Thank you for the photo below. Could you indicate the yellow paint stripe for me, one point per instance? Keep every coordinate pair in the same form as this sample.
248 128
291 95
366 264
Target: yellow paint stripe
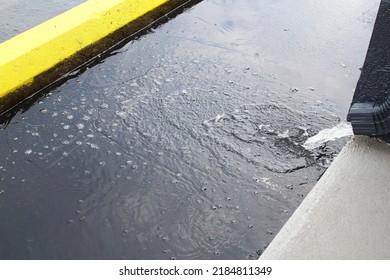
41 48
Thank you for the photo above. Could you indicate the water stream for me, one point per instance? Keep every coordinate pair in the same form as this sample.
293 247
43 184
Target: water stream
341 130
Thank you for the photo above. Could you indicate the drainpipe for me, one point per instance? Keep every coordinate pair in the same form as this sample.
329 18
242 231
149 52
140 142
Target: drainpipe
369 113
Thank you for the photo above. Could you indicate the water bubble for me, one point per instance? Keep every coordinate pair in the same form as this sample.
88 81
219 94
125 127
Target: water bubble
104 106
93 146
14 151
82 218
80 126
290 187
165 251
70 117
79 143
250 226
66 127
270 232
122 115
28 151
217 253
43 111
102 163
214 207
70 221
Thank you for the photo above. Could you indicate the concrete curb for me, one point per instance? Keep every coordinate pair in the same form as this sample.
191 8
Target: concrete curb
346 215
39 56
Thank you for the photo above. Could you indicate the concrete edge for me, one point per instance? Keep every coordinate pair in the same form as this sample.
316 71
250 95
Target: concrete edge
299 218
41 55
345 216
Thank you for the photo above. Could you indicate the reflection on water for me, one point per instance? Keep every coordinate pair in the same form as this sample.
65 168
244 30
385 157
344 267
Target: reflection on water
187 144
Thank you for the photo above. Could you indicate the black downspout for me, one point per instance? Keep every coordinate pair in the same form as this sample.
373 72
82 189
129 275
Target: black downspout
369 113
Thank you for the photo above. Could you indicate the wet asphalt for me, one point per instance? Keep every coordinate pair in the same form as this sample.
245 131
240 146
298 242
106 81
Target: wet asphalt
187 141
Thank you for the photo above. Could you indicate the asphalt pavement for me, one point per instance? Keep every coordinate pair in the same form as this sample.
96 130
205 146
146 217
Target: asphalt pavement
186 142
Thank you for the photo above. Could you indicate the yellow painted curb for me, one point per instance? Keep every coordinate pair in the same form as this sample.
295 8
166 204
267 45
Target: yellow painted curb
44 47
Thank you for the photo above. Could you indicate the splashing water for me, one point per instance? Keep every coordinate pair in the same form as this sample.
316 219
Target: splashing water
330 134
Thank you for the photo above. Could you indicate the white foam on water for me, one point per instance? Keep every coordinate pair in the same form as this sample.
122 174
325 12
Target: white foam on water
330 134
284 134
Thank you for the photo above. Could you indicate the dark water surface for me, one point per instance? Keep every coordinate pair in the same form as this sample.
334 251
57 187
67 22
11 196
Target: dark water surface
187 143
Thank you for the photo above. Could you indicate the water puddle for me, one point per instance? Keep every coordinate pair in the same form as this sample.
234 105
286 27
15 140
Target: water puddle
197 141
